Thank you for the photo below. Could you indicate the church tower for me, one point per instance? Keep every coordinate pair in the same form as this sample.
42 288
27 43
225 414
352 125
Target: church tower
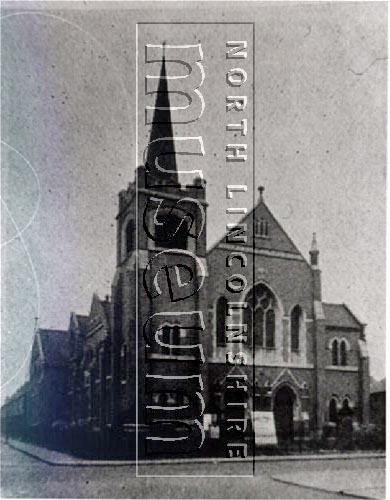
159 288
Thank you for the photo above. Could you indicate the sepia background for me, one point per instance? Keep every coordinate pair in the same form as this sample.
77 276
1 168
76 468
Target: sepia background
68 147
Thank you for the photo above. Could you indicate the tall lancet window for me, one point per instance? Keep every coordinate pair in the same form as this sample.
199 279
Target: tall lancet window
130 237
260 317
335 352
220 316
262 228
343 353
295 322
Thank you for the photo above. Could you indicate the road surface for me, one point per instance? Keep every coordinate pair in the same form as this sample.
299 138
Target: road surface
25 476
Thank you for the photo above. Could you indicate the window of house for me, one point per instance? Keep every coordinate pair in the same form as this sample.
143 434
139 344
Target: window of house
101 363
343 353
176 335
335 353
333 414
262 228
107 360
170 234
108 407
171 398
261 311
346 408
130 237
166 338
259 327
221 321
270 328
170 335
123 362
296 319
87 379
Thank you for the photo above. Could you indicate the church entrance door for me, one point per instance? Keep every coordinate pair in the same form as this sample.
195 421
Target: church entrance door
284 414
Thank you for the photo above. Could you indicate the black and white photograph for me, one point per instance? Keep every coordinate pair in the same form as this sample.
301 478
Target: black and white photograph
193 265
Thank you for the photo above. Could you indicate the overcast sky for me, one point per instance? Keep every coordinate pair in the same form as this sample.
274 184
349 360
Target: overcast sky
68 124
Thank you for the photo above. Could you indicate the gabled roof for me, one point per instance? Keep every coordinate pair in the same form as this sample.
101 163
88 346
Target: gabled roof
23 389
377 385
100 311
55 346
278 240
78 328
107 310
339 315
82 322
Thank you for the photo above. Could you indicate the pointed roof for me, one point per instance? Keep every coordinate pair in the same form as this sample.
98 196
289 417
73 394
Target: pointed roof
277 238
162 129
54 346
340 316
277 242
377 385
99 311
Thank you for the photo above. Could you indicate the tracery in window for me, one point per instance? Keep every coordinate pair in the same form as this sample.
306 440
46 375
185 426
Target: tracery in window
261 310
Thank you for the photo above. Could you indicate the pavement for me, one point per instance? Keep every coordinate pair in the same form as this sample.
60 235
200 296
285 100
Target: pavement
53 457
34 472
359 483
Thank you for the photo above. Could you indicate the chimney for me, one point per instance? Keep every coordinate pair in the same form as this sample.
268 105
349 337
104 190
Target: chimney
316 272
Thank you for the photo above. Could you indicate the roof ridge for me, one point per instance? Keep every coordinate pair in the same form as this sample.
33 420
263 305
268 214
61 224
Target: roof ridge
52 330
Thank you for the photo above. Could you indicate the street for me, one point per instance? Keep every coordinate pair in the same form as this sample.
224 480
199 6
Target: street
26 476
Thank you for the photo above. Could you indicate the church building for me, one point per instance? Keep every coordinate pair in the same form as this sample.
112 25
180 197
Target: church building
306 360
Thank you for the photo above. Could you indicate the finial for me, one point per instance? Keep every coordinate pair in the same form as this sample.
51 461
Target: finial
314 253
261 191
314 247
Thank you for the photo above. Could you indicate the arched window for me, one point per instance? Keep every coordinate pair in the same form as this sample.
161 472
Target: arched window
296 320
221 321
130 239
171 336
343 353
262 306
166 338
333 416
172 232
335 353
270 329
346 409
262 228
176 335
259 327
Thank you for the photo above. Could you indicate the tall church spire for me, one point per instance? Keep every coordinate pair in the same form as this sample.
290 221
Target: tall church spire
164 150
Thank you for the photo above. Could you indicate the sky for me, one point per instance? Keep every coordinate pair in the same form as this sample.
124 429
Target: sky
69 131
